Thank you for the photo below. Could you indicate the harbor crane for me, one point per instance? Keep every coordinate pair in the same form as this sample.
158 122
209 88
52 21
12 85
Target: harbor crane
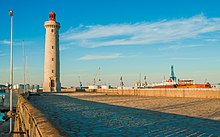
80 83
145 80
121 82
95 79
172 74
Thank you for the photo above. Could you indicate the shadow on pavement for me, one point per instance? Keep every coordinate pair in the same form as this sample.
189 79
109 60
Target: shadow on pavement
87 118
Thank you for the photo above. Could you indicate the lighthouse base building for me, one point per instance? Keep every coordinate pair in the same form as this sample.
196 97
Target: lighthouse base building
52 57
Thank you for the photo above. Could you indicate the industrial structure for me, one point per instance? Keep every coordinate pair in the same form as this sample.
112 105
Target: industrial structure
173 78
51 57
181 83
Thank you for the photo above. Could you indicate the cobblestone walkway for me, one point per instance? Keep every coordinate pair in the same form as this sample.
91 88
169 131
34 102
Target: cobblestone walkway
90 114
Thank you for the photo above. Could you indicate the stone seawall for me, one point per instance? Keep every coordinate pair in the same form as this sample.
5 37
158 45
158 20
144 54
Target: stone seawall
190 93
30 122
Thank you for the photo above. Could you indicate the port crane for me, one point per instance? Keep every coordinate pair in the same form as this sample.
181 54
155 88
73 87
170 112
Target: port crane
121 82
145 80
172 74
97 73
80 83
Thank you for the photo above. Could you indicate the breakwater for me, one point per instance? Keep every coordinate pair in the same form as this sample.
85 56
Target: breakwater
29 121
101 114
184 92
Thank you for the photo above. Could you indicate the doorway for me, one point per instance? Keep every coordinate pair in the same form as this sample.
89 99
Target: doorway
52 83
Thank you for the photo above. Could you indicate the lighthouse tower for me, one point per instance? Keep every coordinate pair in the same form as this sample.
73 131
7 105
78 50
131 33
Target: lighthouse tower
51 57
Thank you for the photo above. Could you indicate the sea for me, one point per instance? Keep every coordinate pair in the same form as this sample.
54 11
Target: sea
1 117
2 94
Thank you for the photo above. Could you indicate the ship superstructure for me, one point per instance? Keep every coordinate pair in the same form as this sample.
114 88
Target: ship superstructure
181 83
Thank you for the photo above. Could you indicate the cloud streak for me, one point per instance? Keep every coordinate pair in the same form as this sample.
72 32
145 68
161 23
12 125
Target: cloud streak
4 42
16 42
99 57
180 47
63 47
185 59
2 54
143 33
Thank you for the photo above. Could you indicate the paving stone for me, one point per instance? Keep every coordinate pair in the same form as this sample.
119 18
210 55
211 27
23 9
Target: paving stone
97 114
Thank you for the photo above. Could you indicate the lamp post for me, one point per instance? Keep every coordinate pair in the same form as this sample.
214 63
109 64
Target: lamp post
23 54
11 66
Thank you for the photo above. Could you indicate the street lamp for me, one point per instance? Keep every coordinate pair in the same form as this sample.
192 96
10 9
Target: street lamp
11 67
23 54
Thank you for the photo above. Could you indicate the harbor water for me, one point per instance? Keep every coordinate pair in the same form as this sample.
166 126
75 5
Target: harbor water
2 97
1 117
2 93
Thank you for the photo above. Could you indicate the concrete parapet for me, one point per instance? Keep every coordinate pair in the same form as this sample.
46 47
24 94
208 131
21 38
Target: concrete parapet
30 122
68 90
178 92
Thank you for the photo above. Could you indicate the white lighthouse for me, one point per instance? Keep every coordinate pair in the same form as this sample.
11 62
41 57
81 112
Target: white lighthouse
51 56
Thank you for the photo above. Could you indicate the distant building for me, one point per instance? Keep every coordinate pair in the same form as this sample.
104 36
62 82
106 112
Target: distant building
52 57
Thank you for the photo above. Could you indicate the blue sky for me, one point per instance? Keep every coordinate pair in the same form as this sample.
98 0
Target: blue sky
122 37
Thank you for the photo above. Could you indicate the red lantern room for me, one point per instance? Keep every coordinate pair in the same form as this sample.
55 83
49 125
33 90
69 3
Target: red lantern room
52 16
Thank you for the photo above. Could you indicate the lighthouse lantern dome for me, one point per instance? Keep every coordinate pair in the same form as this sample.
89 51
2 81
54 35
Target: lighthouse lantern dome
52 16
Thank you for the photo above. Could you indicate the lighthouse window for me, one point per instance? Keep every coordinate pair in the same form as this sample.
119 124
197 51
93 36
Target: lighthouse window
52 59
52 47
52 71
51 30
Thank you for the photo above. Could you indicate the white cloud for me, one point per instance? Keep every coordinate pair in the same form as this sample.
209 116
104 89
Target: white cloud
212 40
98 57
63 47
185 59
180 47
16 42
142 33
2 54
4 42
17 68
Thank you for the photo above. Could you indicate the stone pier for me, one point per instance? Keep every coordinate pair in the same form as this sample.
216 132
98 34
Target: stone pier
109 114
30 122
